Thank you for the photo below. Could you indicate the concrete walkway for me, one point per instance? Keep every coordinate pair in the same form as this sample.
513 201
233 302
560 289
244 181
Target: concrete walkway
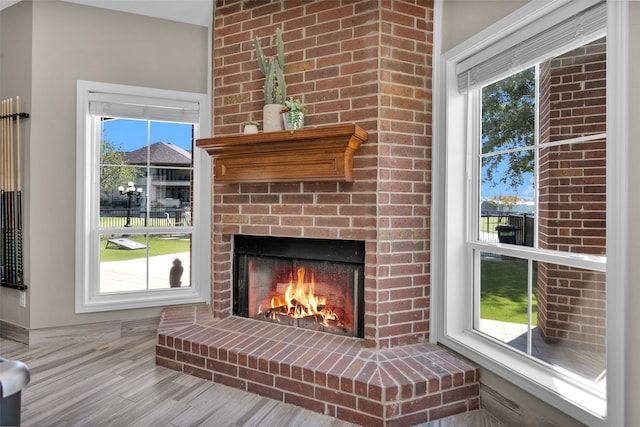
587 362
123 276
503 331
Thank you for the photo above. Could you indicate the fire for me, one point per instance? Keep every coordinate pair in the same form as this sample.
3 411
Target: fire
300 301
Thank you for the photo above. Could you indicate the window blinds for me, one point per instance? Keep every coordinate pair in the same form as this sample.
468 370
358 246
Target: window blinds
144 108
575 23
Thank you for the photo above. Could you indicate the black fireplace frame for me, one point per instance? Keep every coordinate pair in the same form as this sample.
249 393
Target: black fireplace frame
350 252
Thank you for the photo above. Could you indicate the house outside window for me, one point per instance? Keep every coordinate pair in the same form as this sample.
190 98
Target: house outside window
523 252
141 190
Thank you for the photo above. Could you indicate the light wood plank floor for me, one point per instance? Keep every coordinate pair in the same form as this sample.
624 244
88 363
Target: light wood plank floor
117 383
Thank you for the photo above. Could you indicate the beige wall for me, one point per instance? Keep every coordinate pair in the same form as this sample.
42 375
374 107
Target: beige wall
464 18
69 43
461 20
15 80
633 352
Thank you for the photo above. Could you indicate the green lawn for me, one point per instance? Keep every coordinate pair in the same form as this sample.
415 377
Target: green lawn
158 245
503 294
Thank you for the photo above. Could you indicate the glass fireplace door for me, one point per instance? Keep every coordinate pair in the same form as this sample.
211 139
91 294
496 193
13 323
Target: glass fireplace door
287 287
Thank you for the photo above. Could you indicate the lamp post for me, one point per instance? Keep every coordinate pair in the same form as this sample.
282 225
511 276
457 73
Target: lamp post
129 191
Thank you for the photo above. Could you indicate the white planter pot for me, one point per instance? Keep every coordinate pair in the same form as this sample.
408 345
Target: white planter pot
248 129
271 118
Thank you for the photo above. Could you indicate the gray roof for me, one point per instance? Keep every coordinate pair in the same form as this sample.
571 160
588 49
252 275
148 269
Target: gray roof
161 153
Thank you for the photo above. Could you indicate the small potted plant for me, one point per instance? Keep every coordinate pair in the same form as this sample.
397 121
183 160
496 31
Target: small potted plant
275 88
293 114
250 126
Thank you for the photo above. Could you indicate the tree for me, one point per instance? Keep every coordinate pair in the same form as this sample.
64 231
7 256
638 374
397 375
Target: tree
501 202
508 121
113 170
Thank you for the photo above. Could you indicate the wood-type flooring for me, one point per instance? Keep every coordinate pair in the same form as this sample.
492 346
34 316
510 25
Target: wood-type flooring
117 383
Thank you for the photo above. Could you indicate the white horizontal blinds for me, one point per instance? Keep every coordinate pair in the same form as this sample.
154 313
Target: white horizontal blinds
575 23
143 108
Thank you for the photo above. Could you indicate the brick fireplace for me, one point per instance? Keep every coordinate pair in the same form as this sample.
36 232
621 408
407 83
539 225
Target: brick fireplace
364 62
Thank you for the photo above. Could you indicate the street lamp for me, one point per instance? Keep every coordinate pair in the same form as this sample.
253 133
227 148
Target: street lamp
129 191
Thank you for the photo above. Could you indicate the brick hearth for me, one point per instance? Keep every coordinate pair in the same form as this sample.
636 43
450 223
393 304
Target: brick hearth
325 373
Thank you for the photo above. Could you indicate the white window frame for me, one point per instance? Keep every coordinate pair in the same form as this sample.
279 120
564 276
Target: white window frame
88 297
452 292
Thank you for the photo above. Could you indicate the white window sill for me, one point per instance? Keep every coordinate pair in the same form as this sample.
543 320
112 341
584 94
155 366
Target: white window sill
145 299
556 386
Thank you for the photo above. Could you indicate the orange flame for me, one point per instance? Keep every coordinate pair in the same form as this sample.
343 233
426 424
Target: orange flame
301 301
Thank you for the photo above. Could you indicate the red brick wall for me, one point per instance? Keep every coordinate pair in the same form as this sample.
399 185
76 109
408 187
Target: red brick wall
404 166
365 62
572 197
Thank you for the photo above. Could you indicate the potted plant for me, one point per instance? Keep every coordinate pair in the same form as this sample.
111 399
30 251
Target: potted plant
275 89
250 126
293 114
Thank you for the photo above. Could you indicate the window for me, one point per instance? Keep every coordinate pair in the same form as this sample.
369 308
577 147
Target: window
541 175
523 248
142 191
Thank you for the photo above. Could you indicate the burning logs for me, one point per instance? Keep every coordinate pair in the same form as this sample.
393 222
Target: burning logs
297 304
317 322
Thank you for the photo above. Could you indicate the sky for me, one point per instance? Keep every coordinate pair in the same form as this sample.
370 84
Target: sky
524 191
130 135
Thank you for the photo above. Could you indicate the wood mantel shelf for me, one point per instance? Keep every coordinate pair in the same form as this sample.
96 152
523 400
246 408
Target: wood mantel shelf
322 153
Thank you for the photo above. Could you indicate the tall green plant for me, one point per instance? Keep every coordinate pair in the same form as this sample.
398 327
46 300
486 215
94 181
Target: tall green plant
275 89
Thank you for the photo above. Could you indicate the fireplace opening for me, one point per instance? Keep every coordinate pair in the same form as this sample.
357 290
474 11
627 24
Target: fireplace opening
308 283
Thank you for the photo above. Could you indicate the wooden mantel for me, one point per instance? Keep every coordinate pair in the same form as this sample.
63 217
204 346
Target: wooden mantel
323 153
